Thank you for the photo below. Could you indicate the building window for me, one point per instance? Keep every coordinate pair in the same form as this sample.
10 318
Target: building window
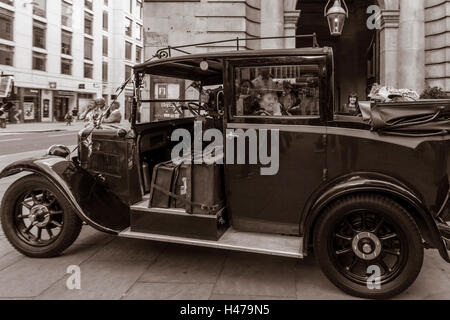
40 8
6 24
66 14
6 55
66 43
10 2
139 9
39 30
128 26
66 66
88 48
105 20
39 61
127 72
138 32
88 23
138 54
88 4
105 46
105 3
88 70
128 50
105 71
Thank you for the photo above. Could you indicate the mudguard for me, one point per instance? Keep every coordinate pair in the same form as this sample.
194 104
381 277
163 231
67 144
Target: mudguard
363 182
89 196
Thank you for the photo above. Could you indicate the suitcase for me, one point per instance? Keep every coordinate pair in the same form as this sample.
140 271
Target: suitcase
197 188
162 180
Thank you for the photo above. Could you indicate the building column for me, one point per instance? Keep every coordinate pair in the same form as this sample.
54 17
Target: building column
411 45
291 15
272 23
388 47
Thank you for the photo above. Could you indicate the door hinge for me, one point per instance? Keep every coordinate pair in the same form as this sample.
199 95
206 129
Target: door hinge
325 175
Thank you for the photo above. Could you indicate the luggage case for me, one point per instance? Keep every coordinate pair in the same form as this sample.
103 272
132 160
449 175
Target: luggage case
197 188
162 180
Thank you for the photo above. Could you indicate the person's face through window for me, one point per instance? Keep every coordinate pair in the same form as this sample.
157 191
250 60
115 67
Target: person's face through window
353 100
268 100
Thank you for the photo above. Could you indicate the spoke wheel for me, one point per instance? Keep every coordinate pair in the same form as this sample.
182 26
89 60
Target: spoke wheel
364 239
37 219
356 234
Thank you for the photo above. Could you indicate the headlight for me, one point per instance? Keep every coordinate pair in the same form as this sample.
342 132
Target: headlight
59 151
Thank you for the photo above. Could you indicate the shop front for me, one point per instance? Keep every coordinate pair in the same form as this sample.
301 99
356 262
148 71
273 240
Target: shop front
64 102
31 105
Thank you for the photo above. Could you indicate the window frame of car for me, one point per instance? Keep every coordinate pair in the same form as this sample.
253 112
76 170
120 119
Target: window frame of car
230 99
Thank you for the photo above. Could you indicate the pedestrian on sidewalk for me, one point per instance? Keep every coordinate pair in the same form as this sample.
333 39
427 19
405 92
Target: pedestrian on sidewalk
69 118
4 107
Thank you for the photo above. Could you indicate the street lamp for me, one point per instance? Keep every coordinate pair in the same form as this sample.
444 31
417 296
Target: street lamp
336 17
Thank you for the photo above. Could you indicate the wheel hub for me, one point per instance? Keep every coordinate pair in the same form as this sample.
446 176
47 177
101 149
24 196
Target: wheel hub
366 246
39 216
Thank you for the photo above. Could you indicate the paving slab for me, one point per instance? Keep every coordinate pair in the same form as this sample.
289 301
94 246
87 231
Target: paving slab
433 281
91 236
100 280
122 249
257 275
170 291
10 258
30 277
311 283
186 264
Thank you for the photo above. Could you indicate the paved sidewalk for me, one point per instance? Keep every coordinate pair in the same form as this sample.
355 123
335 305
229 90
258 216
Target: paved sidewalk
42 127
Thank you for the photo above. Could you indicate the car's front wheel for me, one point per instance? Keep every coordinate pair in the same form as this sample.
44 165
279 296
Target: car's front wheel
36 218
368 246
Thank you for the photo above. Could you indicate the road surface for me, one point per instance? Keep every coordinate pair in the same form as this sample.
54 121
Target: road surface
22 142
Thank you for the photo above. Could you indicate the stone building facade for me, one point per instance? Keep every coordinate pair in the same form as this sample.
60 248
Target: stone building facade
411 47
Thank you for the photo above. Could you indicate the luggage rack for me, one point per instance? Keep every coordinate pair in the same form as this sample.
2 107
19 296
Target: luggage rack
167 51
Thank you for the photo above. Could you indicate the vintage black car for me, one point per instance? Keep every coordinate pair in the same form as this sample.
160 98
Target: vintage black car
366 191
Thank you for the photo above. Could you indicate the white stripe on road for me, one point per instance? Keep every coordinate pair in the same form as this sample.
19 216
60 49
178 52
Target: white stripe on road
62 135
7 140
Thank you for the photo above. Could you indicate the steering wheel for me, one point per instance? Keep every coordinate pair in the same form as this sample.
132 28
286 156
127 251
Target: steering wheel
196 106
261 112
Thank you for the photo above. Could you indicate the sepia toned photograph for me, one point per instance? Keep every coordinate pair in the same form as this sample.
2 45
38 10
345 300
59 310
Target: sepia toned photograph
224 154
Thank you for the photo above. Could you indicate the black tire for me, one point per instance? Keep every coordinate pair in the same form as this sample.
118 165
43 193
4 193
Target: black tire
14 204
396 235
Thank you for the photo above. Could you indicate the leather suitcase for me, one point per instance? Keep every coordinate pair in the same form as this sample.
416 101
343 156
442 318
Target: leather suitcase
162 180
202 187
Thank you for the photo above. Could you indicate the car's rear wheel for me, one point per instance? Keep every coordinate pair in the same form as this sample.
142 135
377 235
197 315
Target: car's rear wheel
368 246
36 218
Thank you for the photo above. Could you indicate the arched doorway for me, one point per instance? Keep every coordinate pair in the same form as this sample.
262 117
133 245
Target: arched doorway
356 51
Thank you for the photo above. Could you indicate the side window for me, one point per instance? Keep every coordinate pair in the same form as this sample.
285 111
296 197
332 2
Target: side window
277 91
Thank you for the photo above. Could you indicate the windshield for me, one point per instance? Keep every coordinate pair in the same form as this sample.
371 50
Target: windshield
164 98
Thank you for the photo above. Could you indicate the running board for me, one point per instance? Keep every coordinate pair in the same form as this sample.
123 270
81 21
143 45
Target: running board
262 243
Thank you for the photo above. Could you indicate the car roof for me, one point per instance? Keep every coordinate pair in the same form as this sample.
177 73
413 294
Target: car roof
188 66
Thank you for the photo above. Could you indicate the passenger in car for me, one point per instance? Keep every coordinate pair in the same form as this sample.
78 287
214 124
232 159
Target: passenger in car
269 104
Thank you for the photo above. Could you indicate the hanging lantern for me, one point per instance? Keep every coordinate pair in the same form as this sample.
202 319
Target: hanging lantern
336 17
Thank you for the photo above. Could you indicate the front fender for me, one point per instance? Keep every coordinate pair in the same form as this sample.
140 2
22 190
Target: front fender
360 183
89 197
